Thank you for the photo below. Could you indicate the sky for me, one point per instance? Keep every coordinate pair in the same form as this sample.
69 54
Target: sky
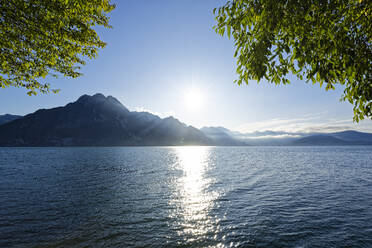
164 57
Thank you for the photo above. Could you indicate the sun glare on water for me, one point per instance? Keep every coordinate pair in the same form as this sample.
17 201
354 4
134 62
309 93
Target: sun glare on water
194 200
194 99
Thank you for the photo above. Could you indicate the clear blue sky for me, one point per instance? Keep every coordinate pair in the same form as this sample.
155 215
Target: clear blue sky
159 50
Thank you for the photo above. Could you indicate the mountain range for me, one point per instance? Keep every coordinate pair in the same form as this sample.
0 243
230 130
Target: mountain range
97 121
103 121
270 138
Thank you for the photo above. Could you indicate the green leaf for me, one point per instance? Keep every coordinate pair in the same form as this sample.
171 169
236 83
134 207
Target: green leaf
50 38
323 41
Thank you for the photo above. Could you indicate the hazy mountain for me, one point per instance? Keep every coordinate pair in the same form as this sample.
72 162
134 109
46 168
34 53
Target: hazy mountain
278 138
340 138
354 136
8 118
97 121
222 136
225 136
320 140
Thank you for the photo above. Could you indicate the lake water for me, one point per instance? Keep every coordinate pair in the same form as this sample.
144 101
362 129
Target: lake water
186 197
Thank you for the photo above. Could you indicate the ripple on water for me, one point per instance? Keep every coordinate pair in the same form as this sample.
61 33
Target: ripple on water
186 197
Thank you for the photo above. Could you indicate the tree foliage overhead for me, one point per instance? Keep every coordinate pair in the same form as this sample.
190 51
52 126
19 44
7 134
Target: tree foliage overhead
329 42
48 37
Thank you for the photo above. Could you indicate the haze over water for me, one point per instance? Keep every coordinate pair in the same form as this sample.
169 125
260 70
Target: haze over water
186 197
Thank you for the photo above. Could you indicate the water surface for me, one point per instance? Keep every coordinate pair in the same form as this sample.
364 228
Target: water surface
186 197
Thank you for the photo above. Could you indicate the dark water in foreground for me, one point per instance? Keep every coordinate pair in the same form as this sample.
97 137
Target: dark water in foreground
186 197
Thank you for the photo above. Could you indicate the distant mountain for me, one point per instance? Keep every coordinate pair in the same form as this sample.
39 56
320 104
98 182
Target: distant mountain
320 140
340 138
8 118
222 136
97 121
354 136
225 136
273 138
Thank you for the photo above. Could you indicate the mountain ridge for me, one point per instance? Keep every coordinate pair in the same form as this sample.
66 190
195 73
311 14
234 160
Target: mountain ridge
98 120
279 138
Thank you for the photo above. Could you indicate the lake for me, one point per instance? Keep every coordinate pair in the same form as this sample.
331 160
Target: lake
186 197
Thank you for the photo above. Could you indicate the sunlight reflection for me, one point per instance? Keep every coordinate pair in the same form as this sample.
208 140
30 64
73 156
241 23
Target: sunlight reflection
195 197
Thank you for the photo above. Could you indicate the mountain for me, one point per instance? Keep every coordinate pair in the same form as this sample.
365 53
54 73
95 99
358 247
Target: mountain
355 137
340 138
97 121
222 136
320 140
103 121
8 118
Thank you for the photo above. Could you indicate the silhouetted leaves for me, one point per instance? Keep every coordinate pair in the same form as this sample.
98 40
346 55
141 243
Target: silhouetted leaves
325 42
48 37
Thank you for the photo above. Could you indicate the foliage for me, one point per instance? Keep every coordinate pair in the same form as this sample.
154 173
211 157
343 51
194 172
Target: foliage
48 37
328 42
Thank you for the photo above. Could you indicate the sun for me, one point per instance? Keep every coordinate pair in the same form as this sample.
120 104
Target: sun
194 99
